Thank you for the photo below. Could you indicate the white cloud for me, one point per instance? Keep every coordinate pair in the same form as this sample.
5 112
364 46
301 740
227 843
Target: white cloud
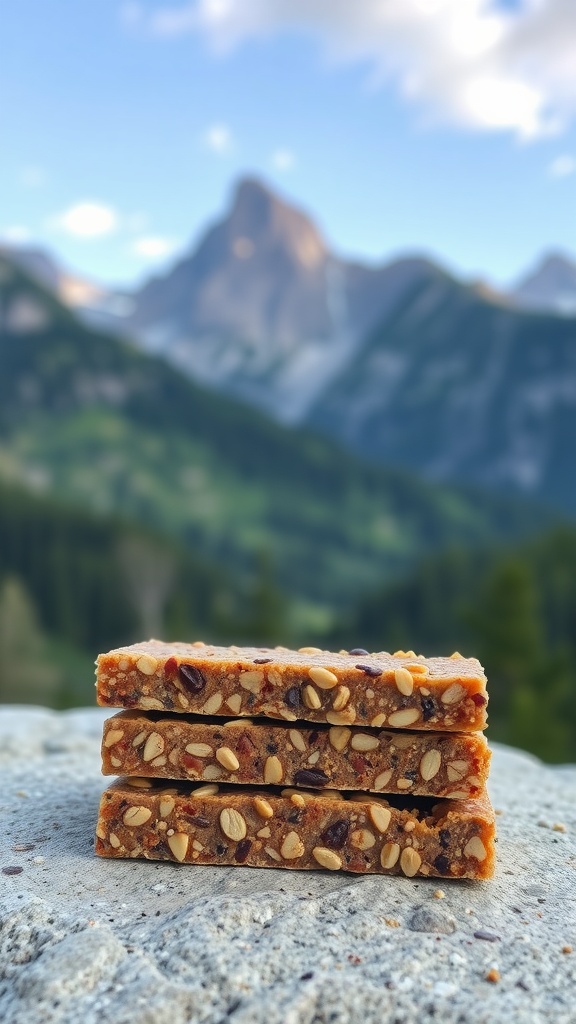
87 220
283 159
562 166
153 247
218 138
469 62
16 233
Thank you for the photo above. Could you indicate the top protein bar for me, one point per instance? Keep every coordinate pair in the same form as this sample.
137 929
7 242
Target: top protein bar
401 690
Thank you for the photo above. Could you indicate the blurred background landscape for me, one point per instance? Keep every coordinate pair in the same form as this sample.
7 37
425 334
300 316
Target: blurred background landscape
216 422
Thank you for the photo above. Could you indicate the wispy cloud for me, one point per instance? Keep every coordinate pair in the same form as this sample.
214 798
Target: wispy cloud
86 220
219 139
153 247
283 159
562 167
470 62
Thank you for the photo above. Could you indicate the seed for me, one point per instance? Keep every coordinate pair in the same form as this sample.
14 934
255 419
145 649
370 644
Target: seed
453 694
114 841
362 839
192 678
298 800
314 757
311 698
232 824
264 833
399 654
273 771
418 669
456 654
212 772
139 738
182 700
235 723
116 762
457 794
362 741
235 703
252 681
323 678
327 858
332 794
405 783
135 816
150 704
292 847
262 807
475 848
209 790
380 817
199 749
309 650
213 704
113 736
389 855
167 804
227 759
147 665
345 717
154 746
404 718
430 764
410 861
138 783
383 779
404 681
158 762
341 698
288 715
378 721
339 737
178 843
402 740
456 770
297 740
272 853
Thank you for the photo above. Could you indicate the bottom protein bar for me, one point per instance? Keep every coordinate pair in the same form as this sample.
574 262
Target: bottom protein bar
208 824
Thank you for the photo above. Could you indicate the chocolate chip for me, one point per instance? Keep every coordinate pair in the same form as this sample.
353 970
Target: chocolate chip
262 661
428 707
369 670
12 870
358 650
336 835
192 678
444 838
442 864
292 697
242 850
311 777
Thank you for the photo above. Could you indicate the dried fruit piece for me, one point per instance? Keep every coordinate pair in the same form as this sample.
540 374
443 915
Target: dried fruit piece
336 834
192 678
311 777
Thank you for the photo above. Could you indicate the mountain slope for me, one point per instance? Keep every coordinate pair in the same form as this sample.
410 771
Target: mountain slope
549 287
92 419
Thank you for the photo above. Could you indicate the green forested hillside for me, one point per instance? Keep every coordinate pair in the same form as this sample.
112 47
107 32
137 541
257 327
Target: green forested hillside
515 610
90 419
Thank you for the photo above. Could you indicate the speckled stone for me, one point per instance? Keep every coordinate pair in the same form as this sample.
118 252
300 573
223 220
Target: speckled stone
132 942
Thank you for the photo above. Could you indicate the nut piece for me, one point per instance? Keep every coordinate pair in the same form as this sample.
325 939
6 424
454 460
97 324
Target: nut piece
262 807
341 698
362 741
208 790
272 853
273 771
380 817
475 848
453 694
345 717
292 847
199 749
178 843
232 824
135 816
362 839
456 770
404 681
323 678
311 698
114 841
167 804
339 737
113 736
150 704
410 861
389 855
235 703
382 780
378 721
227 759
153 747
327 858
213 704
147 665
430 764
297 740
252 681
402 719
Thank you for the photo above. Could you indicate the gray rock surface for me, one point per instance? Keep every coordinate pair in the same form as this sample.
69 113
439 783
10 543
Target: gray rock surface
129 942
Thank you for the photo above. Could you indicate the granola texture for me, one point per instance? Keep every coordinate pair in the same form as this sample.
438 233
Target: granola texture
400 691
208 824
168 746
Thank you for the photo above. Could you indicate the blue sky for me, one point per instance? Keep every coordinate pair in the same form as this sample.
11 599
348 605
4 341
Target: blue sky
443 126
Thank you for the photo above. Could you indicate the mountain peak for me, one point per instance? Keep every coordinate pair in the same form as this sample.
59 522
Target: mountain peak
550 285
259 217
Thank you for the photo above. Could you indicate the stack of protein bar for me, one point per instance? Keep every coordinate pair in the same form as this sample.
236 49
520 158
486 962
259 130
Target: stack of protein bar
301 759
